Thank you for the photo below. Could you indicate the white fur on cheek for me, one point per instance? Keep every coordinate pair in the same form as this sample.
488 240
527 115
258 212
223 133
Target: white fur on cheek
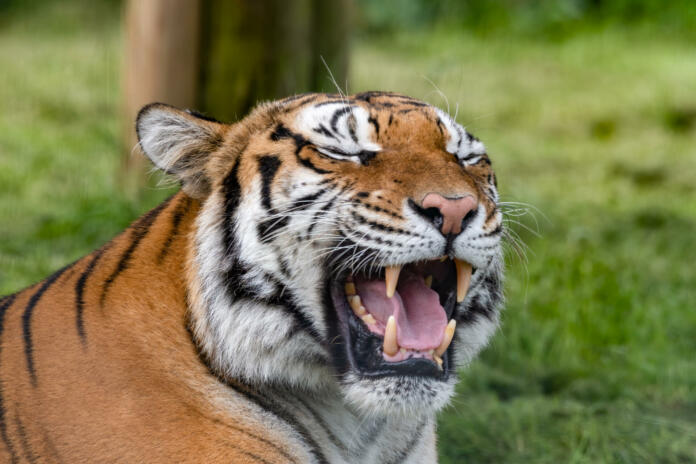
245 338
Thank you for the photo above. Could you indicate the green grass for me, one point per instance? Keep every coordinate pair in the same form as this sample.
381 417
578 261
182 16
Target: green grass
596 359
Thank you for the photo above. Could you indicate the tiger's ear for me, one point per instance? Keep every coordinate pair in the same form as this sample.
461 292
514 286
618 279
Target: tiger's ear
180 143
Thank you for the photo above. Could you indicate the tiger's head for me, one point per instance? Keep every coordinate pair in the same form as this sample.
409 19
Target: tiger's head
348 245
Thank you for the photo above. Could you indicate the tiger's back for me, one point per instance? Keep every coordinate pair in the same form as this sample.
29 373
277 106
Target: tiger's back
76 385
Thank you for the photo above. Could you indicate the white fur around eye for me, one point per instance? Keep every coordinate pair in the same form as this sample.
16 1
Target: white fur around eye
329 125
460 143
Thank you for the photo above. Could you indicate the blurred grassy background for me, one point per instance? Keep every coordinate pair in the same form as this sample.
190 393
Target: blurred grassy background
588 109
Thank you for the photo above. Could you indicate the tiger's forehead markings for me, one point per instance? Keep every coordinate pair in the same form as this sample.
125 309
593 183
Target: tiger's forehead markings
349 127
338 125
459 142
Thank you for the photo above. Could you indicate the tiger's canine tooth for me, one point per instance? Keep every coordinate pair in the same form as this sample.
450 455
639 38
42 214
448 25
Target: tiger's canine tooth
438 360
463 278
356 305
391 278
447 339
369 319
350 288
391 347
429 281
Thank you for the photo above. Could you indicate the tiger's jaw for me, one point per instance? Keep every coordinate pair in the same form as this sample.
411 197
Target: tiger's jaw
398 320
396 334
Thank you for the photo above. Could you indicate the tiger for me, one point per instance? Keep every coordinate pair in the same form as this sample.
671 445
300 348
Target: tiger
306 296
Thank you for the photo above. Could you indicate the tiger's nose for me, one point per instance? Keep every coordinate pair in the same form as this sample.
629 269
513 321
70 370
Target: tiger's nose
452 210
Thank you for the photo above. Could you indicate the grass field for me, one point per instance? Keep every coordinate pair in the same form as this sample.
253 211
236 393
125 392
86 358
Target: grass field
596 359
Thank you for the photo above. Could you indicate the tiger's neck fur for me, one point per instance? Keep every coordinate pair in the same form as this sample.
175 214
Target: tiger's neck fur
277 365
115 323
332 429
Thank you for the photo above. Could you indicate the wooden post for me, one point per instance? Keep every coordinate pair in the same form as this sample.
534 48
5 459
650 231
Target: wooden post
225 56
331 21
257 50
161 64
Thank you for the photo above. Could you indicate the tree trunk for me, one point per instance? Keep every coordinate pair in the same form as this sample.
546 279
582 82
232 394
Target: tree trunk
225 56
256 50
330 41
161 64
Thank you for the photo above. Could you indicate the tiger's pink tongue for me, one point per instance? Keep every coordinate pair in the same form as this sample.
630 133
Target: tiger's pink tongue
420 319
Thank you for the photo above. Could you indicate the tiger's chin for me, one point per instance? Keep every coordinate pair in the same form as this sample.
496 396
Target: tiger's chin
395 338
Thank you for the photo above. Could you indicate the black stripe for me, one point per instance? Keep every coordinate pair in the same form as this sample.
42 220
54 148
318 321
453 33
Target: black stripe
281 451
267 229
308 164
324 426
441 126
470 156
366 156
337 114
306 201
263 402
4 306
284 299
177 216
234 277
323 209
28 453
253 456
369 436
202 116
383 105
379 209
282 132
139 231
379 226
403 99
332 102
351 128
274 408
322 130
410 445
461 138
298 96
26 321
232 192
474 309
298 104
268 166
370 94
373 120
80 290
51 447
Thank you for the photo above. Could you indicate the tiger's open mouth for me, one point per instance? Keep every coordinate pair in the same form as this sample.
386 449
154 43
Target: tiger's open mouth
398 319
